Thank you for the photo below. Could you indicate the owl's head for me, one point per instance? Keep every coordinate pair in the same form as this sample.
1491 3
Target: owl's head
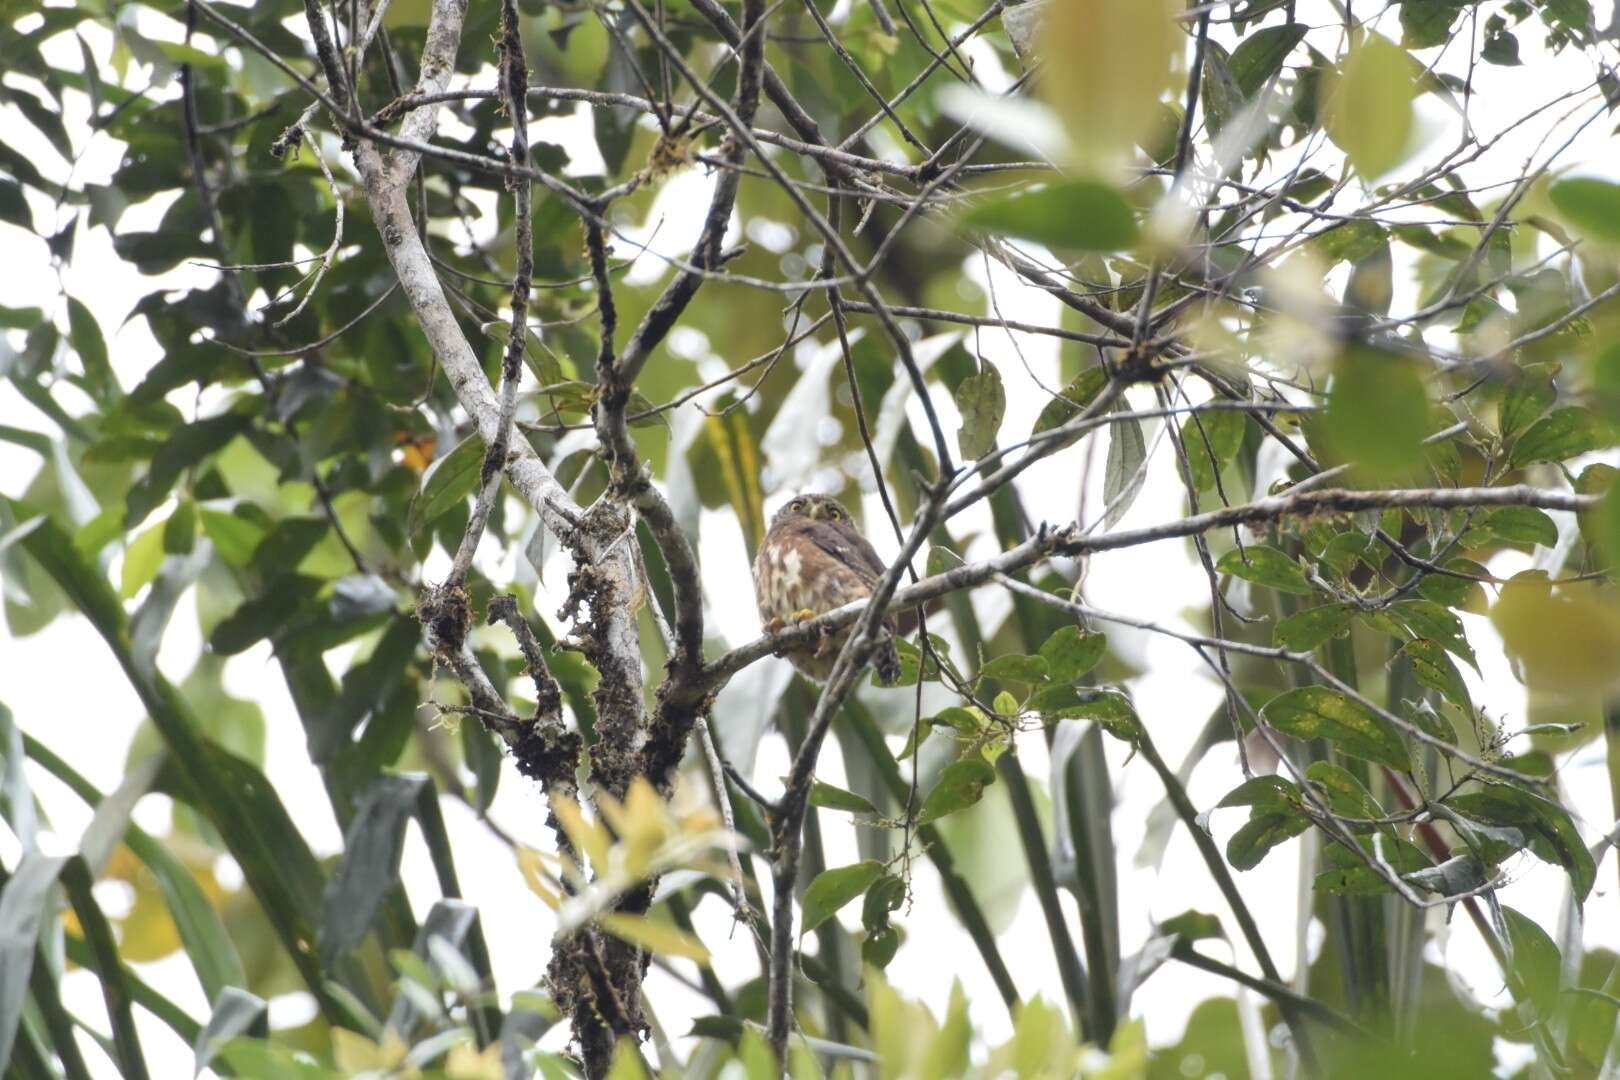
815 508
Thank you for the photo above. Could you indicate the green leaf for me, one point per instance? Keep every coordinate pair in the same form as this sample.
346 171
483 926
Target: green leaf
180 531
369 868
1071 652
982 401
829 797
1591 205
184 447
1346 795
1426 619
452 478
109 969
1350 881
1377 413
1260 55
1316 712
1220 432
1553 836
263 616
1456 592
14 205
1501 48
1071 401
1193 925
85 333
1530 394
1079 215
1264 790
1369 110
1534 961
832 889
1106 707
1427 23
1264 830
1433 667
1123 474
1266 566
1563 434
883 899
141 561
959 786
1349 241
233 537
1305 630
1520 525
1018 668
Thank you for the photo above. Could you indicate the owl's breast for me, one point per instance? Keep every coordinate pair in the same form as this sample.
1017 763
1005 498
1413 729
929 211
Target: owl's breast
779 580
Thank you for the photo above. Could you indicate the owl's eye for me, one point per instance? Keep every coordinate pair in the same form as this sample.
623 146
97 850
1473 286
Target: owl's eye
835 513
797 506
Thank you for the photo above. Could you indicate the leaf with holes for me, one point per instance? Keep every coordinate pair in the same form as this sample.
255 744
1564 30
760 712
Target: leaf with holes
982 401
960 786
1212 440
1317 712
1552 835
1071 652
1427 619
1305 630
1432 667
1016 667
1563 434
1265 829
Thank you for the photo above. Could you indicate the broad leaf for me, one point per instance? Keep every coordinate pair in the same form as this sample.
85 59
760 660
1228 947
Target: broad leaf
1079 215
1266 566
832 889
1317 712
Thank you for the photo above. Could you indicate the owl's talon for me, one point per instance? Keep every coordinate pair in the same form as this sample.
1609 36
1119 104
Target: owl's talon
773 625
804 614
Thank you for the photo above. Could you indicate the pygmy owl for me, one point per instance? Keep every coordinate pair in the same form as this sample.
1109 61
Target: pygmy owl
812 561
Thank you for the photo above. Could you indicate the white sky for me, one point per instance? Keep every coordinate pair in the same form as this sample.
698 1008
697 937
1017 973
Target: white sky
65 689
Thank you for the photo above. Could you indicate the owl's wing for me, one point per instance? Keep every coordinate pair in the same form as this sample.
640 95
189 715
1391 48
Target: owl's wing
848 547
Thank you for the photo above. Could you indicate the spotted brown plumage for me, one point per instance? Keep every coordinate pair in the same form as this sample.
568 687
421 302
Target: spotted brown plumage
812 561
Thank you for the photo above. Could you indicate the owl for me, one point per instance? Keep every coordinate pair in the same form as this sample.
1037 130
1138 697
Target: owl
812 561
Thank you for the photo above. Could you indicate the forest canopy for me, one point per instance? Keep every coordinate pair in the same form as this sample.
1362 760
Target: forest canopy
400 399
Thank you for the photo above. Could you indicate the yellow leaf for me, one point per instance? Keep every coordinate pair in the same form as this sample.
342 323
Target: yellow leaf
655 937
1369 108
1565 640
354 1053
466 1063
535 876
643 826
147 932
627 1063
1106 65
142 558
586 836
